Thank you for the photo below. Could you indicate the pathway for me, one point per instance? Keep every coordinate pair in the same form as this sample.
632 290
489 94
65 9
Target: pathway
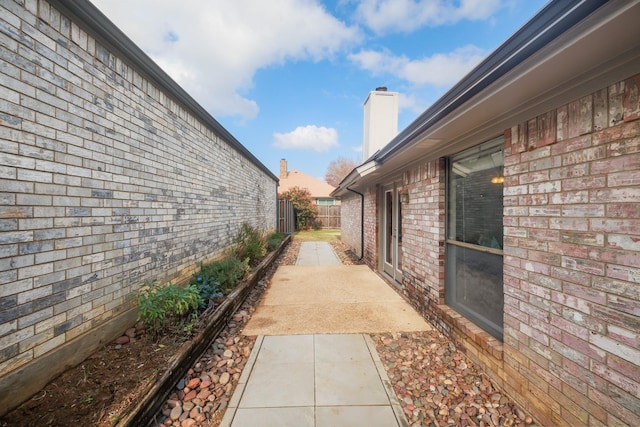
313 363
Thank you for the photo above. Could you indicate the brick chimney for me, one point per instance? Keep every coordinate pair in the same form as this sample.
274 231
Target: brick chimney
283 169
380 120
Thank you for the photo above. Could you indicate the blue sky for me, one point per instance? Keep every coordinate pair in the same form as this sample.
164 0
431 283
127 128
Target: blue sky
288 78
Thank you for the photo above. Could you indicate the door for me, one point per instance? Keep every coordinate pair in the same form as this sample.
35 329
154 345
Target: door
392 233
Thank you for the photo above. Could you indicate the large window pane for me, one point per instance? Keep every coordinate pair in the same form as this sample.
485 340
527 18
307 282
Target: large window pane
475 235
475 282
475 196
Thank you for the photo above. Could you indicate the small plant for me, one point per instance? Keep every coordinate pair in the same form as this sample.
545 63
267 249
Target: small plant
189 325
274 241
164 309
249 243
227 272
208 287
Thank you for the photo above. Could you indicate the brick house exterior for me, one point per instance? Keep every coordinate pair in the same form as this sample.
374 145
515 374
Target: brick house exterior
110 176
320 191
564 117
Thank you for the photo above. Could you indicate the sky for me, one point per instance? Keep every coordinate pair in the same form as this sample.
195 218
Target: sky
288 78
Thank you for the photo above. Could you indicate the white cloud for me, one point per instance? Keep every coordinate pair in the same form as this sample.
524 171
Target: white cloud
440 69
411 102
311 137
213 48
408 15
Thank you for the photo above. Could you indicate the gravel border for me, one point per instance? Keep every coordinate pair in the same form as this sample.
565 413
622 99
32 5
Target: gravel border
435 383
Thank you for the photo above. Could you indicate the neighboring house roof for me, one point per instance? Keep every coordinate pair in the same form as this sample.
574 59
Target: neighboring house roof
566 51
317 188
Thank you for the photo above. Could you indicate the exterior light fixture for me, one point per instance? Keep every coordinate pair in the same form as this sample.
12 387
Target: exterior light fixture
497 180
404 196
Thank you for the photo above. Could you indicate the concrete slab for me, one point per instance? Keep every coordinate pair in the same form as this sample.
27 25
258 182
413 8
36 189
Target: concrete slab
317 253
355 416
276 385
276 417
300 372
348 387
331 300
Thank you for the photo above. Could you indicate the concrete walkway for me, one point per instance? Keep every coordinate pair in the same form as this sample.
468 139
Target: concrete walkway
317 253
312 379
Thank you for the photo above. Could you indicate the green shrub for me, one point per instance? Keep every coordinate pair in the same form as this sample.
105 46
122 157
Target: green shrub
305 209
167 309
249 243
208 287
274 241
227 272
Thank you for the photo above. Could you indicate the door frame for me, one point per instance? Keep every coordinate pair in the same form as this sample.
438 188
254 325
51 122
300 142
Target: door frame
391 232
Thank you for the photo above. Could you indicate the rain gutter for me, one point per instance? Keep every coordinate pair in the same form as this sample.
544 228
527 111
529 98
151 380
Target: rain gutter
361 222
552 21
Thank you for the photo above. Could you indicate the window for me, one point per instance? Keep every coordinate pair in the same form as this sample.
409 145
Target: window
325 202
475 235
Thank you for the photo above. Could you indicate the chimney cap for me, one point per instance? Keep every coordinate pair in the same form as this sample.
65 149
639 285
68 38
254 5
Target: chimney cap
381 89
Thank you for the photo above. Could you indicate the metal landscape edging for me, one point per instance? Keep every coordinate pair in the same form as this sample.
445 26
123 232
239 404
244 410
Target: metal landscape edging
147 408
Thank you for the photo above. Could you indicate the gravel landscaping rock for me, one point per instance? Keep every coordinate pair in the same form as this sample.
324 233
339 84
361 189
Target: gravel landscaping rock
435 383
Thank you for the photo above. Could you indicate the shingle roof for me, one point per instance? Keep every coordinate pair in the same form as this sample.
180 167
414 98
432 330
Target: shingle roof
294 178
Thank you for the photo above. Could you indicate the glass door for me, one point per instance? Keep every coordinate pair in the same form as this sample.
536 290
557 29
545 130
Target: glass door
392 233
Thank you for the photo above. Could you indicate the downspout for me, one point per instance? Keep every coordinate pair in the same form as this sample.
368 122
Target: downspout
361 222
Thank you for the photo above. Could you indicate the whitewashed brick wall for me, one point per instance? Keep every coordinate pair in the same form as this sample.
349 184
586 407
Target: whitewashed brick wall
106 182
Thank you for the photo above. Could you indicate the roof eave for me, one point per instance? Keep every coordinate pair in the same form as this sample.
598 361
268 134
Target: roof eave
552 21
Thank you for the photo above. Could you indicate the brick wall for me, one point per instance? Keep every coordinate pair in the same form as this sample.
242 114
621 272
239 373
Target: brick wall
106 182
423 237
371 228
572 259
350 223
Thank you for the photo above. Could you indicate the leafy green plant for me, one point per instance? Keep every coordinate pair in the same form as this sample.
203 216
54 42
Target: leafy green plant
189 325
208 287
249 243
166 309
227 272
274 240
303 204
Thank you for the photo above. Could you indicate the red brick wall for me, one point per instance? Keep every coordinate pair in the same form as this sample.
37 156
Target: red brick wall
572 260
423 237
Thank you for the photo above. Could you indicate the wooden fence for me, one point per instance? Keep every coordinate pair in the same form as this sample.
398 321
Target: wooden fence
286 217
329 216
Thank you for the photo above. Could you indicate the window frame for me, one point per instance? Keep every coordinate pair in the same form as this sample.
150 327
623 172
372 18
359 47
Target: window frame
453 247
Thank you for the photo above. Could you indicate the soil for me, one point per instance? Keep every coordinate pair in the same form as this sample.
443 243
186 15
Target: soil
99 390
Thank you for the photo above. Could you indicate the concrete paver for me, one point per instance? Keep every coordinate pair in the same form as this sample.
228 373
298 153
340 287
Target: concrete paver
317 253
314 380
317 379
